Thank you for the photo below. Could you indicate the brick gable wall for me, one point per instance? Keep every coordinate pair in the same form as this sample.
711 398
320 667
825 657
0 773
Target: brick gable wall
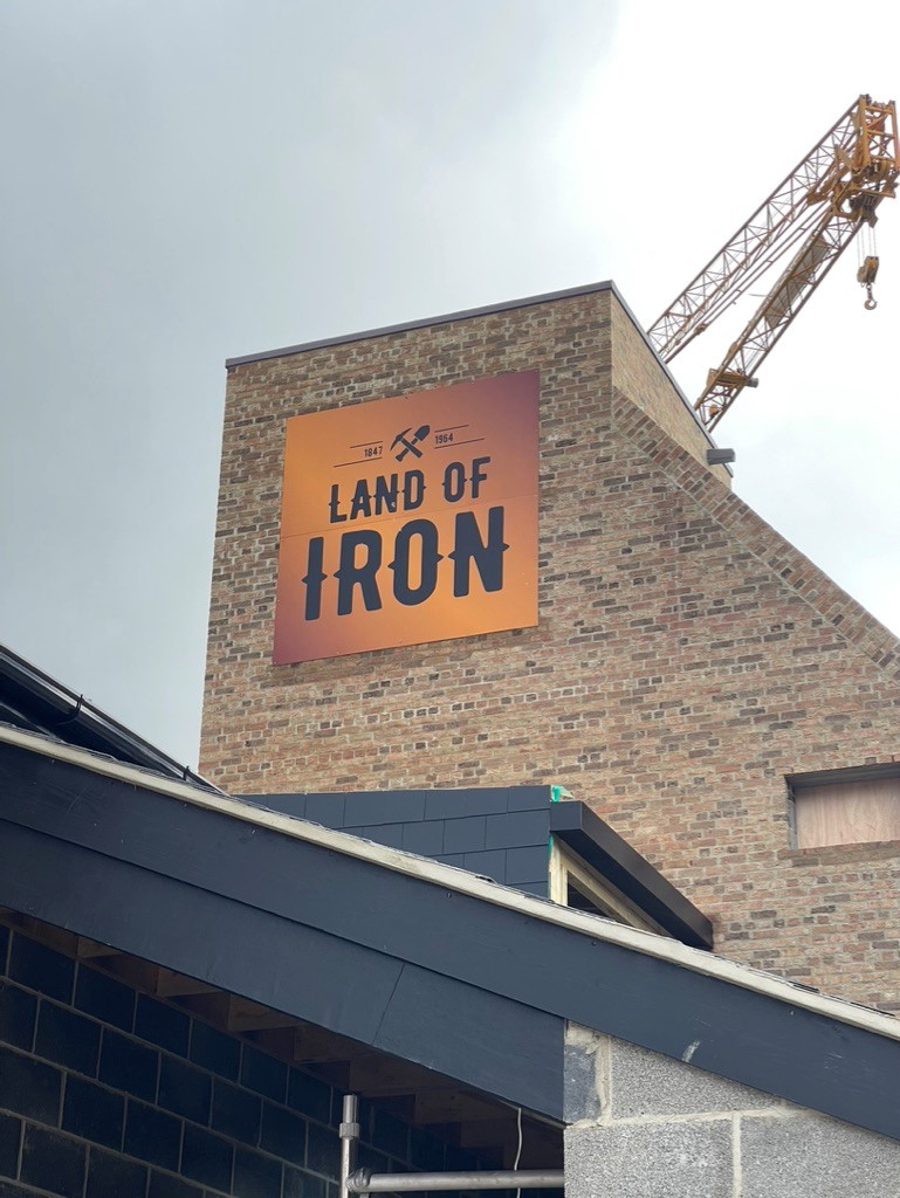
686 660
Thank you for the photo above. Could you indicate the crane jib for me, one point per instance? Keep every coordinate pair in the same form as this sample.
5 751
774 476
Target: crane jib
807 222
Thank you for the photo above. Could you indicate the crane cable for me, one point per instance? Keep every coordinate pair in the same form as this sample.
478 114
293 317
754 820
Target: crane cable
867 263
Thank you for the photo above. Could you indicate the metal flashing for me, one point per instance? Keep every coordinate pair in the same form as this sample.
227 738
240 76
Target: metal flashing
617 862
424 323
853 773
468 314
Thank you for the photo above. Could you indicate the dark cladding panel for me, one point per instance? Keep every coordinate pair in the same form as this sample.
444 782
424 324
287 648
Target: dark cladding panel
384 807
257 955
432 823
517 1050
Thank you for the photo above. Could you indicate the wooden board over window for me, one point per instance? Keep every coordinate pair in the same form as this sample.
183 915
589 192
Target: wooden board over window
847 812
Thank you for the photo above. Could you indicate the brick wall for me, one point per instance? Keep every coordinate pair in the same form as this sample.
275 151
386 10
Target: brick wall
642 377
108 1093
686 659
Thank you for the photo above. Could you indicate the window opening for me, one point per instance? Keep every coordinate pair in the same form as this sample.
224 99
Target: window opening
853 806
575 884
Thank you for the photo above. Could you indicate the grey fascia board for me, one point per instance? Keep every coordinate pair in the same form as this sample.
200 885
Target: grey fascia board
459 881
482 1040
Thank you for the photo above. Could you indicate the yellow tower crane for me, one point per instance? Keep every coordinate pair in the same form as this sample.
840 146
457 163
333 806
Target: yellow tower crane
813 215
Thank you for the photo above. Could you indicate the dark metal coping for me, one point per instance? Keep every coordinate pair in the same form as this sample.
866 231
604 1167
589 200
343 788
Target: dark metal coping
412 967
859 773
466 314
617 862
32 700
365 814
427 322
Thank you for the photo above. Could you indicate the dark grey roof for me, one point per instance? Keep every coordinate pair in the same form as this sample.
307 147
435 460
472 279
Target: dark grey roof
503 833
32 700
416 959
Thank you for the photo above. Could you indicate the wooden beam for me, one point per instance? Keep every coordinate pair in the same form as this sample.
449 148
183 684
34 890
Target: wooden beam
137 972
376 1075
53 937
247 1016
171 985
277 1041
448 1106
211 1007
86 949
314 1045
335 1073
487 1133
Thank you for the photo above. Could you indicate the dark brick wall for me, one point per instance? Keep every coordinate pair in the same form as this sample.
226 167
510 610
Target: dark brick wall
502 833
109 1093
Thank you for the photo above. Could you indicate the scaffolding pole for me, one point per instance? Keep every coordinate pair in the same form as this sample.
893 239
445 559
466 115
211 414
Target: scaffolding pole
364 1181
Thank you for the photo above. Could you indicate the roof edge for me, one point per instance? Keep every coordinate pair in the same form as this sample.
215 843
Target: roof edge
426 322
648 943
74 711
619 863
787 564
485 310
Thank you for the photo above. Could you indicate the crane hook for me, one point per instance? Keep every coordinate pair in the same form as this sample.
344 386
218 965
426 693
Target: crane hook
866 276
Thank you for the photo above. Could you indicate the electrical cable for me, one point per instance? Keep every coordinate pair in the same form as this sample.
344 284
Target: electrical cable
519 1149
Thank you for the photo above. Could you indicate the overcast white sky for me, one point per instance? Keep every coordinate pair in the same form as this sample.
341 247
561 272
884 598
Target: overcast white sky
187 180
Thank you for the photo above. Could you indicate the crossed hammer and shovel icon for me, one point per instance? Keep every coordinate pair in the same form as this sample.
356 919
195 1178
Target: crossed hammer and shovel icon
410 444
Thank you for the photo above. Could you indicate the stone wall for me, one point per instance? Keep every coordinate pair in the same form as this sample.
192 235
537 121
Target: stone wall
645 1126
686 661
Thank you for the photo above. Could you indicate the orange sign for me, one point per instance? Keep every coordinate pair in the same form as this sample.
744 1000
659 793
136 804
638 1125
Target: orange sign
408 520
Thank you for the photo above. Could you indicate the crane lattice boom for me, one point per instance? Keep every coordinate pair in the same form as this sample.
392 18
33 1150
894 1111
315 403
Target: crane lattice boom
816 212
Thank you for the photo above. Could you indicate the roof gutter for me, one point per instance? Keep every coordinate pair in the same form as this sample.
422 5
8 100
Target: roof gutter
53 706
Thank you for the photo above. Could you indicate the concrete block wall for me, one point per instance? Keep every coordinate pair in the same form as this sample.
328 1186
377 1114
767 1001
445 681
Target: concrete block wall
108 1093
686 661
644 1126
